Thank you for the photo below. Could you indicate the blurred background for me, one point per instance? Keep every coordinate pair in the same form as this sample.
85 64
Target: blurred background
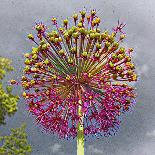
137 132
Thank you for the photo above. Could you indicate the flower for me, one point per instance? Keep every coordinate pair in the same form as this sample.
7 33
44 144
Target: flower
75 63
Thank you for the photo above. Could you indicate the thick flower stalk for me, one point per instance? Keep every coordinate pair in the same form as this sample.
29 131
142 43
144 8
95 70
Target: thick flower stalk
76 78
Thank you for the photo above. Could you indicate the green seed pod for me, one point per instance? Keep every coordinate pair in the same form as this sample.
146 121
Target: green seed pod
65 21
55 33
56 40
73 50
35 76
44 46
83 13
98 46
111 39
92 36
30 36
61 52
111 64
79 24
70 32
74 28
26 55
49 34
118 68
70 60
128 59
42 42
35 50
130 49
97 35
130 72
75 16
46 61
122 36
116 45
32 82
75 35
107 44
35 56
84 54
103 35
122 50
82 30
91 31
93 12
38 28
97 55
120 57
114 56
66 35
51 39
27 62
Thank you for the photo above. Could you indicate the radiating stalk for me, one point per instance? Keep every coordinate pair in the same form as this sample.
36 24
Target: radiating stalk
80 133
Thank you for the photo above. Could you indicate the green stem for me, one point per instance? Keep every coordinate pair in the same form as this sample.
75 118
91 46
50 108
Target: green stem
80 133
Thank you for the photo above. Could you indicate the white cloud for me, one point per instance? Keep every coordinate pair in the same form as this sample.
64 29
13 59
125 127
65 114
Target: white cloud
56 148
151 133
94 151
143 70
147 148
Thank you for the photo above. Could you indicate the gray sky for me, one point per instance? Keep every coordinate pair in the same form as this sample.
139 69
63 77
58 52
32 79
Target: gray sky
137 133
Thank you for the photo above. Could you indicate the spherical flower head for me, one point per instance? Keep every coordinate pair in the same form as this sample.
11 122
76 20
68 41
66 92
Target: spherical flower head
77 67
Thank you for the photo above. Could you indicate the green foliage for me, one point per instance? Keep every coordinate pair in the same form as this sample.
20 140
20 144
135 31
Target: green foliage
5 67
8 101
16 143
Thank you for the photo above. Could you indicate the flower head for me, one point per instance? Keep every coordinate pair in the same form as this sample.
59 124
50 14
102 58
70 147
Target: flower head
75 63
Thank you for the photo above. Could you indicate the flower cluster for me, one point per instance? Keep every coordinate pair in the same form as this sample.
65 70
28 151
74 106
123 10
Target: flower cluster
78 62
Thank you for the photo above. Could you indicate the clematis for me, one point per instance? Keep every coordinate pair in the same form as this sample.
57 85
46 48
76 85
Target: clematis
77 78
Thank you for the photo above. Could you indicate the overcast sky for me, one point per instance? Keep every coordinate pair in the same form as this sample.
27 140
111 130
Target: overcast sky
137 133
